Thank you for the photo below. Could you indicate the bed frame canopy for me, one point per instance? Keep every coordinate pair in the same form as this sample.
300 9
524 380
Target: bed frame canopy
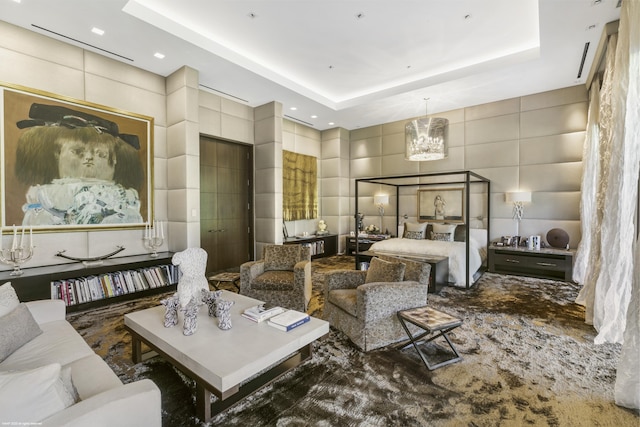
472 183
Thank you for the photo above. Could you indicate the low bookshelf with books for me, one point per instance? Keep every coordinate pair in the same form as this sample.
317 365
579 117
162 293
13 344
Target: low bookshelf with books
43 282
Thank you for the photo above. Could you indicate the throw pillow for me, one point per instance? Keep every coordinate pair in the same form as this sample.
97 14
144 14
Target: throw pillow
8 299
441 237
281 257
384 271
31 396
415 230
16 329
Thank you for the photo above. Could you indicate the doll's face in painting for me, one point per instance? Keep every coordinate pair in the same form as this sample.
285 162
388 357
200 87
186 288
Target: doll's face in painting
78 159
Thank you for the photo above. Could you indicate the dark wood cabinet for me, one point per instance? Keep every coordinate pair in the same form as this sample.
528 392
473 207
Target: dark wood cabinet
555 264
364 243
321 246
35 282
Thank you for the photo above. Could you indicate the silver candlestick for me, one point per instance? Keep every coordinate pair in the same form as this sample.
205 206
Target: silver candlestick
16 257
153 238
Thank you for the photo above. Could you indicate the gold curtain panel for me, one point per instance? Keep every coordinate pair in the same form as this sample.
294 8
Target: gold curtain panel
300 186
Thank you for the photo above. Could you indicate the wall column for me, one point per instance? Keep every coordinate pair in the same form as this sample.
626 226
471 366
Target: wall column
335 183
183 161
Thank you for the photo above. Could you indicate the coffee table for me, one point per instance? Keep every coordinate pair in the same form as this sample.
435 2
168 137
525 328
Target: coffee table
230 364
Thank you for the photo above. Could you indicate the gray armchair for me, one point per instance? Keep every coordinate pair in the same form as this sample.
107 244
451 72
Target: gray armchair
366 312
282 277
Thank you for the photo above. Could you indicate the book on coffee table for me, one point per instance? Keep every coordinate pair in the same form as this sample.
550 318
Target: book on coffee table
260 313
288 320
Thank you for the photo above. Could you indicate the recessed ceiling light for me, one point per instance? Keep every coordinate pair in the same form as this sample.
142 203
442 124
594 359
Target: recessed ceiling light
331 123
293 108
159 55
314 117
98 31
17 1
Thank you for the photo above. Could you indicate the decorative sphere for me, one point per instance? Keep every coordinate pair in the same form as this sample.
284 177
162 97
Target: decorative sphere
558 238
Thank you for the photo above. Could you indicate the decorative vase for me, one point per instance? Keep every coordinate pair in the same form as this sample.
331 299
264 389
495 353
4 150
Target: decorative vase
209 298
171 305
190 317
223 312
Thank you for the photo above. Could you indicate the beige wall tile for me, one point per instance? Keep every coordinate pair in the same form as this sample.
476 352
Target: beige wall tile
160 141
289 141
268 156
369 147
495 154
125 74
365 167
236 129
492 129
268 180
210 100
393 127
209 122
236 109
552 149
330 168
554 177
554 120
393 143
395 164
554 206
453 162
569 95
492 109
183 77
502 179
177 139
366 133
160 178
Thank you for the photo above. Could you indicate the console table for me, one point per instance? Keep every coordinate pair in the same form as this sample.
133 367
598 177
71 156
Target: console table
548 263
364 243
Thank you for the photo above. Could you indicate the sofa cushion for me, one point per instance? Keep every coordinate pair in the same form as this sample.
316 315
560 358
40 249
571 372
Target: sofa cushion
60 343
276 280
8 299
16 329
281 257
384 271
346 299
91 376
33 395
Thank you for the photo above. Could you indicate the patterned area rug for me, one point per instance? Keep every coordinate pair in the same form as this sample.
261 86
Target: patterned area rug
528 359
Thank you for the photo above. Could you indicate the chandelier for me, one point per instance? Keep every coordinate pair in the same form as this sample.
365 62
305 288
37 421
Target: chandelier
426 138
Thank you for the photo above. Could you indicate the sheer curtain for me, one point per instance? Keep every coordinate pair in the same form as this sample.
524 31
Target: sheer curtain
606 261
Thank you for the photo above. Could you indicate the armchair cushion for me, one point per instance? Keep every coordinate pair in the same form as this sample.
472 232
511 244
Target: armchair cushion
281 257
274 280
385 271
346 299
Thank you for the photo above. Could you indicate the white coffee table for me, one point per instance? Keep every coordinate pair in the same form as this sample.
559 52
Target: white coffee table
230 364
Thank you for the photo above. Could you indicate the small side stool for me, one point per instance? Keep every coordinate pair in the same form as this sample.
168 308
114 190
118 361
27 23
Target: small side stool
234 278
431 321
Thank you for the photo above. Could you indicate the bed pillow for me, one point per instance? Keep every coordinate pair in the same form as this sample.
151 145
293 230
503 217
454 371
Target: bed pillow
31 396
384 271
414 231
16 329
8 299
443 232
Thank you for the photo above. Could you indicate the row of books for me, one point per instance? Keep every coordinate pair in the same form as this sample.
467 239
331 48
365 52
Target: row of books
277 317
316 247
96 287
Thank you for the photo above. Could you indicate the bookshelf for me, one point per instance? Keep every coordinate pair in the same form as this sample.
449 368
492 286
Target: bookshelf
320 246
39 282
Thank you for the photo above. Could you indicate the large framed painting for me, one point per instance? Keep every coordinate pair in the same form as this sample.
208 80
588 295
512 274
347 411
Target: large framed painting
441 205
73 165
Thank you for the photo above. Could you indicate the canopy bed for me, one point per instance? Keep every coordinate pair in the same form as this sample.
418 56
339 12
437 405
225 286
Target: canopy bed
452 219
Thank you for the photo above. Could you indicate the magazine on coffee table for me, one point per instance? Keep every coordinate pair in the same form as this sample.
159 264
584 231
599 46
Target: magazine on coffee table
262 312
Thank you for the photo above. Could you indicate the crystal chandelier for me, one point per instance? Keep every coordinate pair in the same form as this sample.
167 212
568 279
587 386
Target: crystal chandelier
426 139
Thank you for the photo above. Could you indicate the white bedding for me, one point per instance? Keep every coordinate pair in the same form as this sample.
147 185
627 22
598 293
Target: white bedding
454 250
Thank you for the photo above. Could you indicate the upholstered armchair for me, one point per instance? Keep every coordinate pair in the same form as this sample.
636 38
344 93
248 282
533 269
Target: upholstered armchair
282 277
363 304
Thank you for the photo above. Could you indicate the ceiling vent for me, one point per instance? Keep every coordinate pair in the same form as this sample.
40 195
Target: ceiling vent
81 42
584 56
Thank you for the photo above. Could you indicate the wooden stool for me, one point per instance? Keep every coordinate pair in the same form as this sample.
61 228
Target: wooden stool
234 278
430 320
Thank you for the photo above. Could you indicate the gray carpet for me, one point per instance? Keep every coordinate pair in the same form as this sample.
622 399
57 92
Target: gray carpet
528 359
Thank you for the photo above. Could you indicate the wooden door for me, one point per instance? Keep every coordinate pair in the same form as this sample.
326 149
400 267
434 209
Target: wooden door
226 189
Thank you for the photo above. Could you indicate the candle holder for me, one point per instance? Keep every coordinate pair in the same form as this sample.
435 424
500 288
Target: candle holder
16 257
153 243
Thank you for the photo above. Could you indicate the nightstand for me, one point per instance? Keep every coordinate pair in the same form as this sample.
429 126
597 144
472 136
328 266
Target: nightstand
548 263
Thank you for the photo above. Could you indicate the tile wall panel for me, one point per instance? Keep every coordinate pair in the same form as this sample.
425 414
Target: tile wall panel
209 121
393 143
491 129
363 148
554 120
123 73
236 129
495 154
561 148
492 109
569 95
453 162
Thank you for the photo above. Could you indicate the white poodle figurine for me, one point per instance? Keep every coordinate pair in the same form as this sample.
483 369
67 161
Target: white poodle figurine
193 264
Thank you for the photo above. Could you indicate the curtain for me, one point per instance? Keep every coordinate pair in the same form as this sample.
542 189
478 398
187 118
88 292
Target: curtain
299 186
606 259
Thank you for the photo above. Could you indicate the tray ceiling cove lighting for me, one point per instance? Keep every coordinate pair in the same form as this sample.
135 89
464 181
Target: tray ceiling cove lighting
426 138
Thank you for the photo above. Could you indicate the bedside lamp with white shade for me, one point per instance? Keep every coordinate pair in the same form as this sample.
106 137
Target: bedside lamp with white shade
380 200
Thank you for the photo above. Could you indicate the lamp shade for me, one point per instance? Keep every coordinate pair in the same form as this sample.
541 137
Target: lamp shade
518 196
426 139
381 199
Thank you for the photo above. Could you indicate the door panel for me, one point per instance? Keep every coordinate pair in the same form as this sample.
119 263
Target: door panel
225 194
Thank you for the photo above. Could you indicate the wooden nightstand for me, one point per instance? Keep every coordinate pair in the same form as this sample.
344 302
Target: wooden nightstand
364 243
555 264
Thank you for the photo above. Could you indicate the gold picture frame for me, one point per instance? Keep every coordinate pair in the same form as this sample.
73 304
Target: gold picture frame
71 165
444 204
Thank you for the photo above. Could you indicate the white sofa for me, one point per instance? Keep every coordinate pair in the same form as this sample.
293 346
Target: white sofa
103 399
